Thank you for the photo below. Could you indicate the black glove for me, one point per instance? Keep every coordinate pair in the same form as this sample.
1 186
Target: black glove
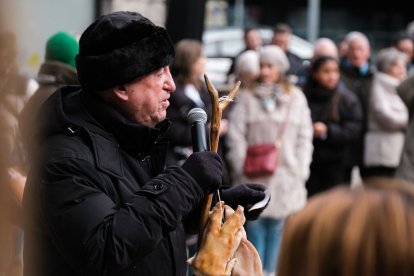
245 195
206 168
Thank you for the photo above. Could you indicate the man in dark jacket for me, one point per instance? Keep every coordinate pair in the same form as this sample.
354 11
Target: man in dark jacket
356 75
98 200
282 35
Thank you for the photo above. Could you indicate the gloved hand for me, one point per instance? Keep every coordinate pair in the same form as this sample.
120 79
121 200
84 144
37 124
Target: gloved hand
245 195
206 168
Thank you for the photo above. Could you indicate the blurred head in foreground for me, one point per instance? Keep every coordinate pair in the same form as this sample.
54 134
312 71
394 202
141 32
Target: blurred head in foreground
360 232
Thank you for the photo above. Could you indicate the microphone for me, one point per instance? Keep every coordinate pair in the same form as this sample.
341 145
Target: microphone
197 117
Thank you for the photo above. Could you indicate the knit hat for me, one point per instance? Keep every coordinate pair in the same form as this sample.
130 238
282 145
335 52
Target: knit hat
274 55
120 47
62 47
248 62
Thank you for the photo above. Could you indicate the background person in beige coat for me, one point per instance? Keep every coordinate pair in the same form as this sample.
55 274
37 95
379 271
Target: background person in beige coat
387 116
255 119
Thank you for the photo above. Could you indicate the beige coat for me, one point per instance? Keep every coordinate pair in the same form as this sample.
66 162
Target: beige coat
250 124
387 122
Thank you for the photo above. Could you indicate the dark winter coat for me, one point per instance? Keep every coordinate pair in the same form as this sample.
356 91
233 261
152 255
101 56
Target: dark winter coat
51 76
98 201
406 91
341 111
360 85
297 68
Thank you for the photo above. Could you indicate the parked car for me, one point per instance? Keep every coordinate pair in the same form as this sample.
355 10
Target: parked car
221 45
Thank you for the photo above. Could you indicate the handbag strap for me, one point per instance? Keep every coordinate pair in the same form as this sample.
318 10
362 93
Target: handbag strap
282 127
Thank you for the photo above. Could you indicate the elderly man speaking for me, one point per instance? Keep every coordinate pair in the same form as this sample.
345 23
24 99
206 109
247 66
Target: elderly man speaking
99 200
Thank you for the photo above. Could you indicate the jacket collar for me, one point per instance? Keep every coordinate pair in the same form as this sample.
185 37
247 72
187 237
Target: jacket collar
131 136
58 73
73 112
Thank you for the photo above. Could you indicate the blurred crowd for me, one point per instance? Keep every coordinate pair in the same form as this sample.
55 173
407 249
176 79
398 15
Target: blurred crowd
346 110
346 114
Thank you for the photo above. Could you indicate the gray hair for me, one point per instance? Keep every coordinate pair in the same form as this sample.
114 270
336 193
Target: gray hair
387 57
324 46
355 35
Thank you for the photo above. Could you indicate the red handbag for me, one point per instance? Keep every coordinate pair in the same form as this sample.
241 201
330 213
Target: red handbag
262 160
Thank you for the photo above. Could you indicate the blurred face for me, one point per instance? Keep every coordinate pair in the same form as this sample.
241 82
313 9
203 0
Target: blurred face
398 69
407 47
269 73
342 48
199 66
147 97
253 40
281 40
328 74
358 52
247 77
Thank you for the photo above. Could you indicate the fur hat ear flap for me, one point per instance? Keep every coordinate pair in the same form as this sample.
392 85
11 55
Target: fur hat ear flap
120 47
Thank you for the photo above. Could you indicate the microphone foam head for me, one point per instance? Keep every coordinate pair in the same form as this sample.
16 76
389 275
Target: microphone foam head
197 115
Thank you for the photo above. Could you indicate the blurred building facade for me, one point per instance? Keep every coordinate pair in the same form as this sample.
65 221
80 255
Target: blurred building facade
378 19
35 21
188 18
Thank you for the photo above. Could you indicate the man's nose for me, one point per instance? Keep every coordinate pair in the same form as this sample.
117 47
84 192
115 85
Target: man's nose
169 83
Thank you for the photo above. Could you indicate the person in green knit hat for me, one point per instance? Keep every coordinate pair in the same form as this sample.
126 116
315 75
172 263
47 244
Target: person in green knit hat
57 70
62 47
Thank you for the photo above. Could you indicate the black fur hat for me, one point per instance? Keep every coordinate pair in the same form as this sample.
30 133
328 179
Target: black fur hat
120 47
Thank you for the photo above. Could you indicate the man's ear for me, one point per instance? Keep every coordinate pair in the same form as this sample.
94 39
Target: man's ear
120 91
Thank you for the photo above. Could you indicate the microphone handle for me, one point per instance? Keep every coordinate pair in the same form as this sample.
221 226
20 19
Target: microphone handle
198 134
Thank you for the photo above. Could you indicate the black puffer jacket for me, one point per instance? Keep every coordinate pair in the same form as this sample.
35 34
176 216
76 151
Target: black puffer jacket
51 76
98 202
341 111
